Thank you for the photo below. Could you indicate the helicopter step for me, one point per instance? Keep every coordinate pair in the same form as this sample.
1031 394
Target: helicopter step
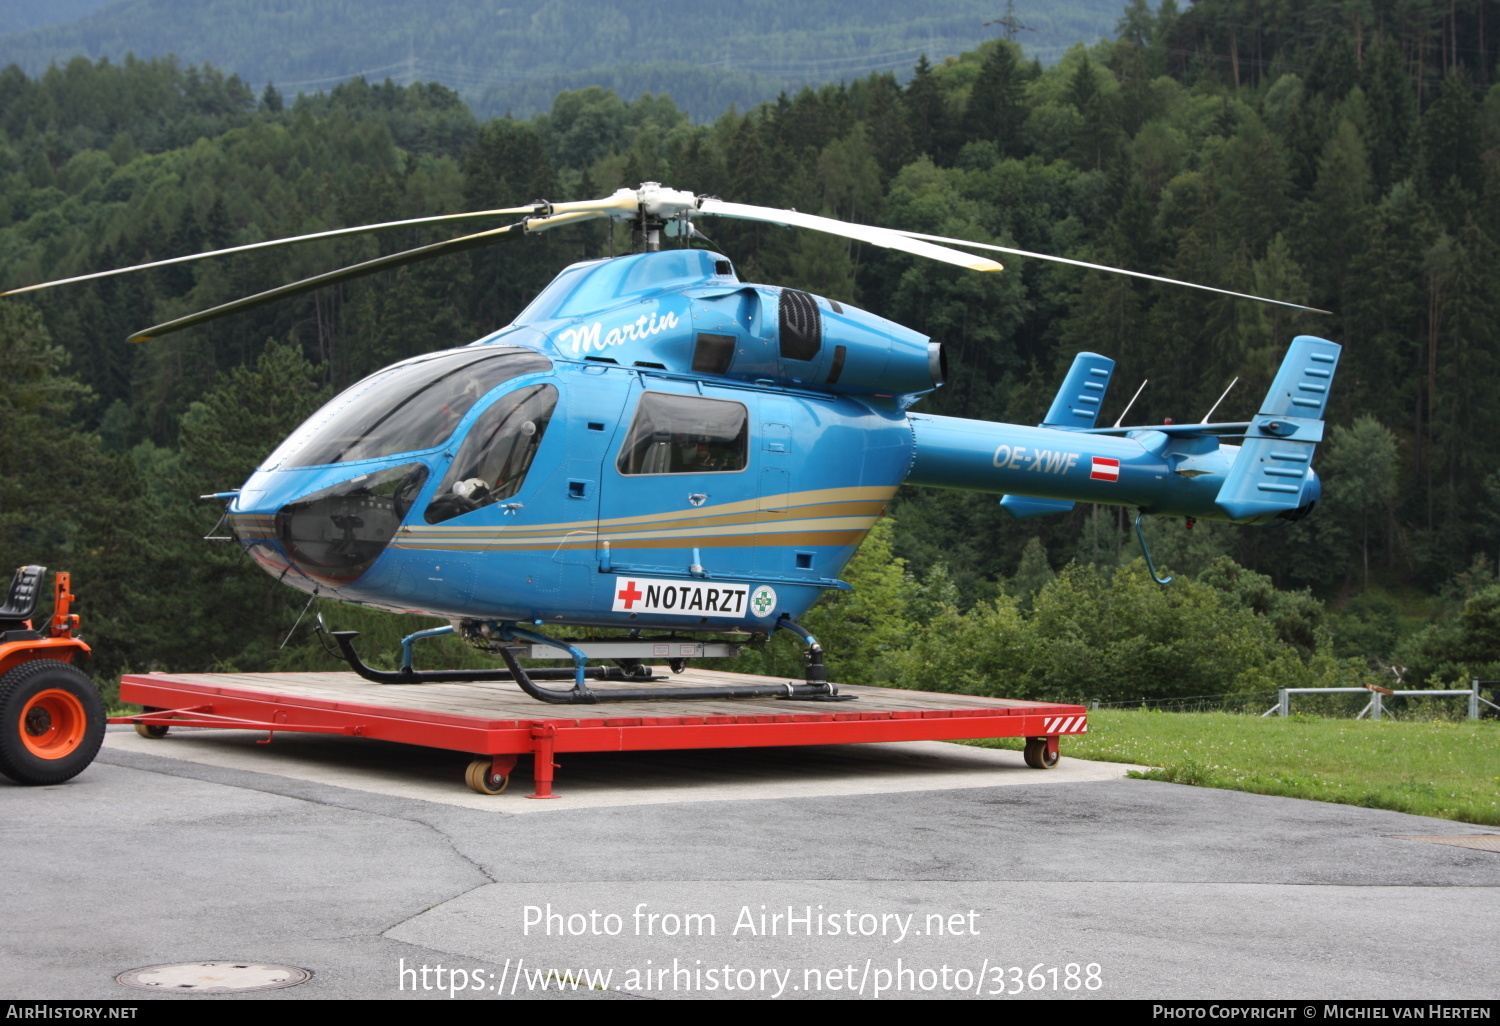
497 723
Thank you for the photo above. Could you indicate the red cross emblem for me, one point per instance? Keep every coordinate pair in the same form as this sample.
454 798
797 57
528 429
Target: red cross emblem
629 595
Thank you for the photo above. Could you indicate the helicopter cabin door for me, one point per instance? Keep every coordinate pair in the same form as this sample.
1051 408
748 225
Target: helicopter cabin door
681 491
528 468
573 485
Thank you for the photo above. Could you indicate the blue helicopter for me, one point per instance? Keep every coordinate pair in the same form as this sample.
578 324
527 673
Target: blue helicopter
653 445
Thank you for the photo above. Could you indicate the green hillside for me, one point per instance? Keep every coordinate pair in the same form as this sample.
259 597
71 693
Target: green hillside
19 15
514 56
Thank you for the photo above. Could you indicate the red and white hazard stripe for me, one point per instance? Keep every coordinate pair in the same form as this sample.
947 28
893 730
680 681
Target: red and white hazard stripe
1104 469
1065 725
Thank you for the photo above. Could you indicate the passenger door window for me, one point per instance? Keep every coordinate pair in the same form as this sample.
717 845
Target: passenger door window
684 434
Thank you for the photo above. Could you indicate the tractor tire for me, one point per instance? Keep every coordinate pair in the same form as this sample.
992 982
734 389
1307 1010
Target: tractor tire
51 722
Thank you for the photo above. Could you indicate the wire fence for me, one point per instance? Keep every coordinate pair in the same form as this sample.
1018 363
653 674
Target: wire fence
1243 703
1351 703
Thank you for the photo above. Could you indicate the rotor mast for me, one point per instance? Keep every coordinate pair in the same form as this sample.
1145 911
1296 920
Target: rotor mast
657 205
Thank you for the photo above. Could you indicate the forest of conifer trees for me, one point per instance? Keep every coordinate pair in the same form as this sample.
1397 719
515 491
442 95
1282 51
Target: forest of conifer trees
1342 155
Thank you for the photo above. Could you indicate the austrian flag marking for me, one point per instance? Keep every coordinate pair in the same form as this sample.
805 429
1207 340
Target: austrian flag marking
1104 469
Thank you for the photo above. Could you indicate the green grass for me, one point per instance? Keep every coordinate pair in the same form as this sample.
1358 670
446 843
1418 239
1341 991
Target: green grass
1429 768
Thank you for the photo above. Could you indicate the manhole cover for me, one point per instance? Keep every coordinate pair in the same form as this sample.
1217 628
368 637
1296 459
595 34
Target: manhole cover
1483 842
214 977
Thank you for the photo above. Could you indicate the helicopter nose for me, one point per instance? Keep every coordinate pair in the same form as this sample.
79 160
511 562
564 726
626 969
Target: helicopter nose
335 534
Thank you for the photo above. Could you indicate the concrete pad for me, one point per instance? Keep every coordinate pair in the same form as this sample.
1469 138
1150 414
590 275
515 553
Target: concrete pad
615 779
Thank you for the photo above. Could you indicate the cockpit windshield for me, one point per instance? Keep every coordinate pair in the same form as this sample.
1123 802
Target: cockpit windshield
412 406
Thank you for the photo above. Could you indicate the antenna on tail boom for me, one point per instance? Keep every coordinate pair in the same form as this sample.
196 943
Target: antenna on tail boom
1132 402
1215 406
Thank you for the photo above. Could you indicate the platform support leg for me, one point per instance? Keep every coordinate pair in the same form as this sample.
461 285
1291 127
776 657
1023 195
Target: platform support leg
542 739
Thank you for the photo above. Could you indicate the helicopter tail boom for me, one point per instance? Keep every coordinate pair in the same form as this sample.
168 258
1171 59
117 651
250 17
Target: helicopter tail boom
1170 470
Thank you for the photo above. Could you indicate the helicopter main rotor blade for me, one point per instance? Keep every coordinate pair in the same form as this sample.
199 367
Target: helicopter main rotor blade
1112 270
876 236
476 215
409 256
385 263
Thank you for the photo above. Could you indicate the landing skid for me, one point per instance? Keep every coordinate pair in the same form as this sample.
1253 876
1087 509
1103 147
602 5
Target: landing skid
817 688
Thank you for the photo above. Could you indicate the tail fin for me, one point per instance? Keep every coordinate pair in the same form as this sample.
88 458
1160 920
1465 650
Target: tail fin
1272 475
1076 406
1082 393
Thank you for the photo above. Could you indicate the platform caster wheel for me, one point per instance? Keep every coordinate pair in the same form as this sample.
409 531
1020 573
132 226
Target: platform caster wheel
1037 756
51 722
479 778
151 729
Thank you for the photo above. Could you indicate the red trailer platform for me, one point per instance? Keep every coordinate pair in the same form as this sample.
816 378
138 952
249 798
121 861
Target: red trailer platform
498 723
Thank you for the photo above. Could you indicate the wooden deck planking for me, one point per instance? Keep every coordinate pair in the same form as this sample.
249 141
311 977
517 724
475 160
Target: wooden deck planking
503 701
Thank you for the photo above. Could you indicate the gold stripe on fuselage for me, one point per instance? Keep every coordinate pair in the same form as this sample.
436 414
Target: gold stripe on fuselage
837 511
769 533
824 516
824 511
879 495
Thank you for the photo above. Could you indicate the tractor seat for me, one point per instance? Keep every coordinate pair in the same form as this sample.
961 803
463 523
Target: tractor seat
20 603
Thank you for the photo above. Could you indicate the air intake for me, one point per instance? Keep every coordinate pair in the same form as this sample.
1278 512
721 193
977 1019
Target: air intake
713 353
801 325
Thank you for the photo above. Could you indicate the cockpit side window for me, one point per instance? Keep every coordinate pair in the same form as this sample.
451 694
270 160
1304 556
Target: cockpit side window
495 454
405 408
683 434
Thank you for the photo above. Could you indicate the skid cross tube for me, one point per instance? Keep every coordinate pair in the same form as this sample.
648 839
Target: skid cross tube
411 639
406 675
817 673
583 696
816 689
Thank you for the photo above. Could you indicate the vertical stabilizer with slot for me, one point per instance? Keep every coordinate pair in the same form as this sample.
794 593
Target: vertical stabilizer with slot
1082 394
1077 406
1272 475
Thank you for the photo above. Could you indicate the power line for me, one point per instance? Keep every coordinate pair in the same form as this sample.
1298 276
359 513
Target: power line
344 77
416 68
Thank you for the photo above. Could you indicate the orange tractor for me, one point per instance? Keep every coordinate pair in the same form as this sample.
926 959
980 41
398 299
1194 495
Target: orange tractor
51 715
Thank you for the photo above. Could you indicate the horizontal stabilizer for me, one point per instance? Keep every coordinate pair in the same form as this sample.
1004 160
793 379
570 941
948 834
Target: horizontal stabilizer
1021 508
1236 427
1082 393
1273 474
